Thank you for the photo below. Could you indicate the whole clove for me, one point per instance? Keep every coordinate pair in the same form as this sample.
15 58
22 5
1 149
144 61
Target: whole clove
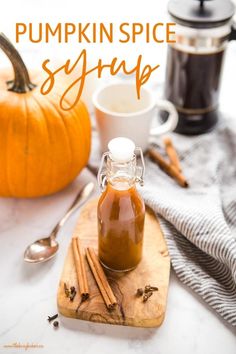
72 296
72 293
147 289
52 318
139 292
55 324
146 296
72 289
84 297
66 290
150 288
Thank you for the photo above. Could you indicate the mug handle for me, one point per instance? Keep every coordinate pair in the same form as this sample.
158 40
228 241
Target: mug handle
172 119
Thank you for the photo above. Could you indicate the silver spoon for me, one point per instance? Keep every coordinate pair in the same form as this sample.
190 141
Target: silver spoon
44 249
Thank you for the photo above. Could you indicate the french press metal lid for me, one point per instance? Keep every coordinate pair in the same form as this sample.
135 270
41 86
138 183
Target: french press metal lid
201 13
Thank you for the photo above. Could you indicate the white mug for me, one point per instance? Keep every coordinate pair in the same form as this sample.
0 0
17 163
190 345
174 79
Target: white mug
120 113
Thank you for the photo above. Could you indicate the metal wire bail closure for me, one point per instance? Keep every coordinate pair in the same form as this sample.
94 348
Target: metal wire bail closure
101 177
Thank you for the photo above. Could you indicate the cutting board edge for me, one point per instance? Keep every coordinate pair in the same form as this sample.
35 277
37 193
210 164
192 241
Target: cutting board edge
153 323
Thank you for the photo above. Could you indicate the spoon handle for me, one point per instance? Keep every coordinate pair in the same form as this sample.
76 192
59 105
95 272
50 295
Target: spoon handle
81 198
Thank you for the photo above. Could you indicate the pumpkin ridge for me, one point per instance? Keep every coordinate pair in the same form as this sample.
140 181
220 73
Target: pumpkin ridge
7 164
82 125
27 144
82 128
49 136
73 112
13 150
88 141
66 133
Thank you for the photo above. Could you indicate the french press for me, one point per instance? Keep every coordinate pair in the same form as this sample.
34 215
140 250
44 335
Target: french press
195 60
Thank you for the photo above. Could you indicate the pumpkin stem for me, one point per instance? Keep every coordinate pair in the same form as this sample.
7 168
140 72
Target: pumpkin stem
21 82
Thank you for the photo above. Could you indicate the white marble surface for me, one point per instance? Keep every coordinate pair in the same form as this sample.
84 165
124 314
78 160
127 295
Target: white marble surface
28 292
28 295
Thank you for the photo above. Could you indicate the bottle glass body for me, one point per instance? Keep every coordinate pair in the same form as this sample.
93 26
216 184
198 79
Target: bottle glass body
121 214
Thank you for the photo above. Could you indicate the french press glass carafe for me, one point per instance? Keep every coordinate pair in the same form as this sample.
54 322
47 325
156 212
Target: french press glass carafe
194 62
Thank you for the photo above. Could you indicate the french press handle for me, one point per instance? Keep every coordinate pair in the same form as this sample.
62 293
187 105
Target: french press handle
101 176
232 35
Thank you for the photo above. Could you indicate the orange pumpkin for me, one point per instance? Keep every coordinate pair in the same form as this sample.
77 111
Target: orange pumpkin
42 148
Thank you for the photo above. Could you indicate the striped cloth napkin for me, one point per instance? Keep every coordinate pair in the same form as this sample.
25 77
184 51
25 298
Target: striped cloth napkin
199 223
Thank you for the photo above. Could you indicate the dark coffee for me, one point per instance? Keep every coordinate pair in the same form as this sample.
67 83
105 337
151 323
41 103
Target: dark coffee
192 85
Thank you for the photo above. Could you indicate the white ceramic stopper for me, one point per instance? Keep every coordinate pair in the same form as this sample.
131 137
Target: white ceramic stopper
121 149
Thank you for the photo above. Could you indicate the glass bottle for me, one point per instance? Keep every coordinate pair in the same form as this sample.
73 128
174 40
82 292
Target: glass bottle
121 210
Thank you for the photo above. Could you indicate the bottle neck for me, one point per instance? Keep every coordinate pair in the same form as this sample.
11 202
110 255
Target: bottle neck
121 175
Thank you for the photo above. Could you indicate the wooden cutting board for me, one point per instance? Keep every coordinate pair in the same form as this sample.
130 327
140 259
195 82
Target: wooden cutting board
154 269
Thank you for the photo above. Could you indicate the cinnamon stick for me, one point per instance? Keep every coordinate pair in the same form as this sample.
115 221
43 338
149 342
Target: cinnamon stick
101 280
172 153
80 268
169 169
